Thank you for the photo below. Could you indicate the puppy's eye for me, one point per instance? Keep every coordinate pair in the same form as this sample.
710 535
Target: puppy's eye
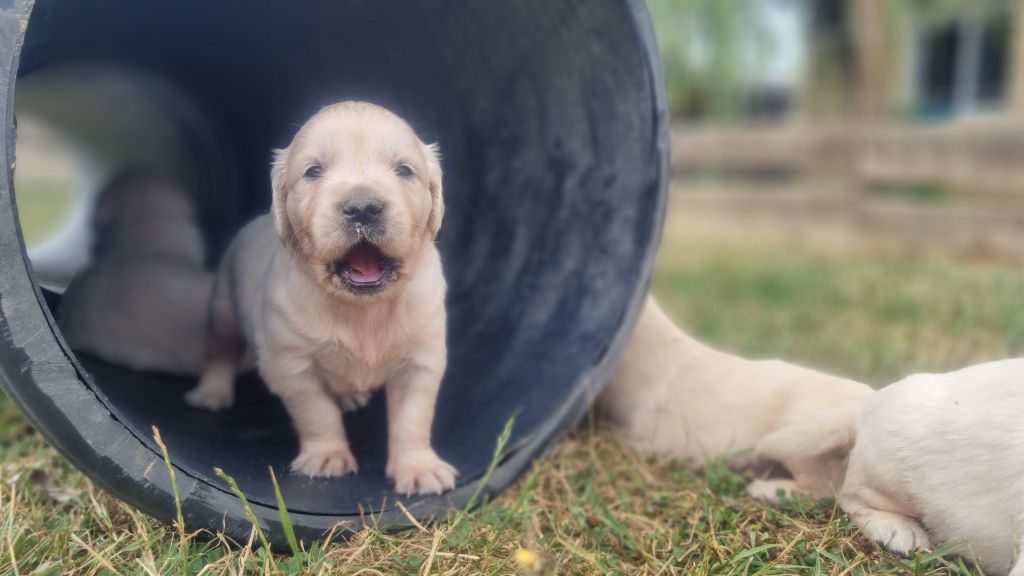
404 171
313 172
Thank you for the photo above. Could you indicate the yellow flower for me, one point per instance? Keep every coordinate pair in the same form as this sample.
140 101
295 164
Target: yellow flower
526 559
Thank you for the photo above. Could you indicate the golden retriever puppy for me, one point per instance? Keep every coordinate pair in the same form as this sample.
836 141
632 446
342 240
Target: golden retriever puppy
940 458
674 396
339 291
142 300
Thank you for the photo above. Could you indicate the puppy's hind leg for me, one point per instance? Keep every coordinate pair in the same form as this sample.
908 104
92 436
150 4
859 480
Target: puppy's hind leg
216 389
881 518
894 532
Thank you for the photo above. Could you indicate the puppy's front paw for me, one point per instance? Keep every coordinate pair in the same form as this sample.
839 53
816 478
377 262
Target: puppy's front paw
421 472
333 459
353 402
211 397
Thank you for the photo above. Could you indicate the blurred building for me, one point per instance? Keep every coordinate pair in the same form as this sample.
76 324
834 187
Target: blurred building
929 60
926 59
960 64
886 92
897 124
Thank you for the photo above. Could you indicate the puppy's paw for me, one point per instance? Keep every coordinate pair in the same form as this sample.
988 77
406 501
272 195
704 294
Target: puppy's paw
330 459
421 472
353 402
211 397
770 490
898 534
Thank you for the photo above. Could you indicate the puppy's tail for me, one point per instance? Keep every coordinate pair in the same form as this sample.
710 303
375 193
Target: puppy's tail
831 431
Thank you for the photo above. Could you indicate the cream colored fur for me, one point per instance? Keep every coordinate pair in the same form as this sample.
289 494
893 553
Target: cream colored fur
674 396
316 341
940 459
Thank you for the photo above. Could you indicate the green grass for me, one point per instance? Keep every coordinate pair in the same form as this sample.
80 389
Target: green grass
922 192
868 318
592 506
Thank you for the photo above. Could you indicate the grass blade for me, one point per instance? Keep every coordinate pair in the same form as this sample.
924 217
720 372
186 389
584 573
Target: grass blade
248 509
174 482
286 519
499 449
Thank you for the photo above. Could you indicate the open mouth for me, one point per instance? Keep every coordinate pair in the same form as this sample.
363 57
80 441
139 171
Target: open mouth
364 268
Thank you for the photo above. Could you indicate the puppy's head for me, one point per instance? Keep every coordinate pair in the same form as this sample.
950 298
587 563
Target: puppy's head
357 196
140 211
140 195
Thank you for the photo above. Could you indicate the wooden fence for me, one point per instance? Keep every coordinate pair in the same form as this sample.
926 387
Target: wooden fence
981 155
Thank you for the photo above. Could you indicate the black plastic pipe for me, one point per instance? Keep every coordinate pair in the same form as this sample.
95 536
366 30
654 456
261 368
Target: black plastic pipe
552 121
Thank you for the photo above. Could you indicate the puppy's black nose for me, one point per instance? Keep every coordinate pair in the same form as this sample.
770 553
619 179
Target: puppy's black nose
362 209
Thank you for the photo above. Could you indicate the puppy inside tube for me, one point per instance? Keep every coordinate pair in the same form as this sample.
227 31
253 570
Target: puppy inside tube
339 291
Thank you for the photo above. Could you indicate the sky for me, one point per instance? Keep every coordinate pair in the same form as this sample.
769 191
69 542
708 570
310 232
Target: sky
784 23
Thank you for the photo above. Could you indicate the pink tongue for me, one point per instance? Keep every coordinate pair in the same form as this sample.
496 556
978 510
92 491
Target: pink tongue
365 265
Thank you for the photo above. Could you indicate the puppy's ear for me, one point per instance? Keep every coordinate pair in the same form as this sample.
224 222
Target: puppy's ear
279 185
433 155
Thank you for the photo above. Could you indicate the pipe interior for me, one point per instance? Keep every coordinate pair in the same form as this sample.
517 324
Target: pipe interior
544 112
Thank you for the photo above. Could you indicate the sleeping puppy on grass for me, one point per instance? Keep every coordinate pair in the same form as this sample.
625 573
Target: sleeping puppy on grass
339 291
943 455
674 396
142 301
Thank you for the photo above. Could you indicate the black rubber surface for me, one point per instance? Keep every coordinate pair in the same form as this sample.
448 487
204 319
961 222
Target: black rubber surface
552 123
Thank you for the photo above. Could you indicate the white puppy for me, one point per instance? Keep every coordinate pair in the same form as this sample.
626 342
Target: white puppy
142 300
944 454
340 292
674 396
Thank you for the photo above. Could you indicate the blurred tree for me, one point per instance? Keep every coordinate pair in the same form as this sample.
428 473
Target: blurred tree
830 72
872 39
708 48
1016 74
862 52
863 56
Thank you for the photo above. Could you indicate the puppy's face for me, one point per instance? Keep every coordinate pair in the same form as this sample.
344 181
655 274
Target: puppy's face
358 196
